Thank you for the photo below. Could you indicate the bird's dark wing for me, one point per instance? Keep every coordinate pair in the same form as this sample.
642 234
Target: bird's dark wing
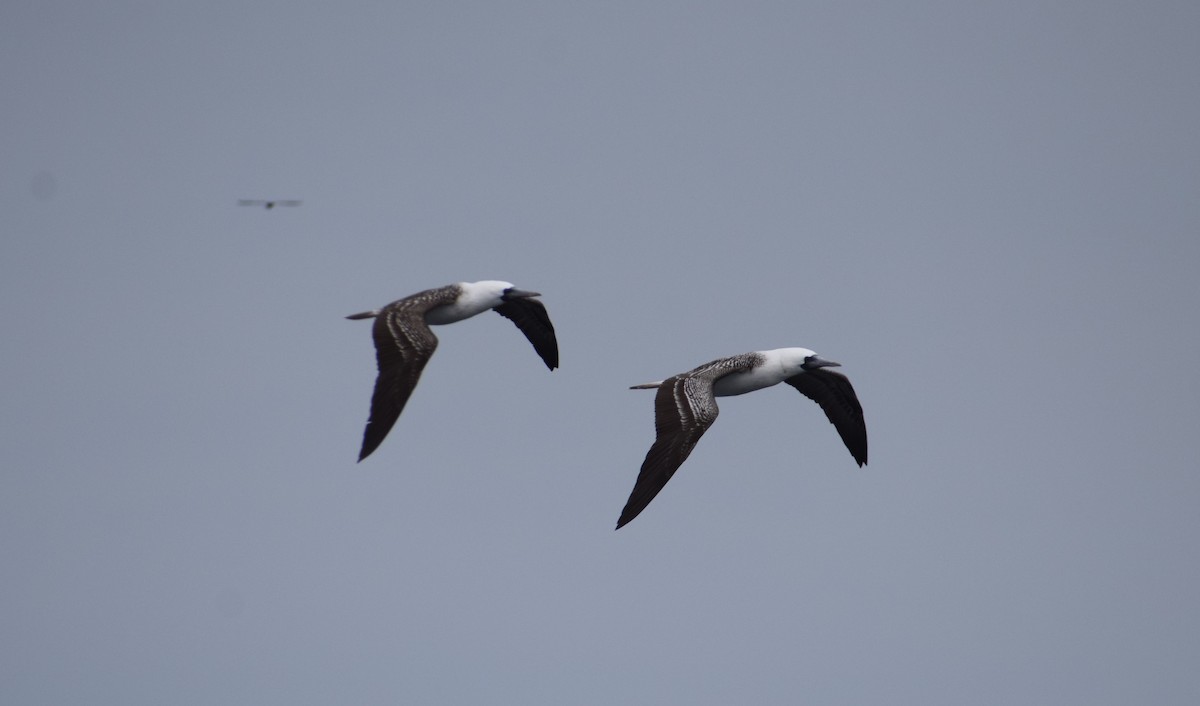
530 316
684 408
403 345
835 394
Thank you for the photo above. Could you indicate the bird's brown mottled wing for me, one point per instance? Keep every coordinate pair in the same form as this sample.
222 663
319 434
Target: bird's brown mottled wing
684 408
403 345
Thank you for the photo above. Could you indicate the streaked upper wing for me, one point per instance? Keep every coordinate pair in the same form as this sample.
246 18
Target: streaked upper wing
835 394
684 408
530 316
403 345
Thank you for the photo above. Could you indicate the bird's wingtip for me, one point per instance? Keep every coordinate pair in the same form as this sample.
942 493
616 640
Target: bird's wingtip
364 315
625 518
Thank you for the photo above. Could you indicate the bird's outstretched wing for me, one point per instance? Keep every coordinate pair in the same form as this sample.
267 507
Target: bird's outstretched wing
684 408
530 316
835 394
403 345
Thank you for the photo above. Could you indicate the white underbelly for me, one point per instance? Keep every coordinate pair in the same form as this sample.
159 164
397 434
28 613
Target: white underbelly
446 314
741 383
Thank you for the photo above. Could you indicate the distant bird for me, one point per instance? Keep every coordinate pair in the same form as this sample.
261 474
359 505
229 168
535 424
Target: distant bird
268 204
404 342
685 407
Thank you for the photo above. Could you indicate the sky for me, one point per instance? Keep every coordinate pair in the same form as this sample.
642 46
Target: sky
988 212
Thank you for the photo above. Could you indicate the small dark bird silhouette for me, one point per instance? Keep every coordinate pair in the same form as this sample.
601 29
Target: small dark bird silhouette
268 204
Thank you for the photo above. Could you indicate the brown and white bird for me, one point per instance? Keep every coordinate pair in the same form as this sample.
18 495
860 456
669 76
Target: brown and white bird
686 406
404 342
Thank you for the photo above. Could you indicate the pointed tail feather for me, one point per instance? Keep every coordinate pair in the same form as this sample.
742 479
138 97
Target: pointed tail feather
647 386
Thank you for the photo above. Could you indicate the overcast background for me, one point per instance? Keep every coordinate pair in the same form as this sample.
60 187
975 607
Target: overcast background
988 212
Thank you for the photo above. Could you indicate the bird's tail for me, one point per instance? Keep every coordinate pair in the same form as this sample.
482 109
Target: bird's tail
364 315
647 386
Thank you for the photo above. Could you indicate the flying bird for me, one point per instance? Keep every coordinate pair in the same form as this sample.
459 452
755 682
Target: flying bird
404 342
268 204
686 406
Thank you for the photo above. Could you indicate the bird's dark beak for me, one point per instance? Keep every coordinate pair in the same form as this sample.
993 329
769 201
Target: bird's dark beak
514 293
812 362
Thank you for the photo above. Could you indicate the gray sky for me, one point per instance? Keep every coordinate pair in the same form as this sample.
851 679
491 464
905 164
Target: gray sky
988 212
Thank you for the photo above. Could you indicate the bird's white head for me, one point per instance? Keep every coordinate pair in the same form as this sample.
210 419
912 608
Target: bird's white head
798 360
488 291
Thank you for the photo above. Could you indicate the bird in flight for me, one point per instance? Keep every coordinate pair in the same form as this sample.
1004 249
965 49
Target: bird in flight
404 342
268 204
686 406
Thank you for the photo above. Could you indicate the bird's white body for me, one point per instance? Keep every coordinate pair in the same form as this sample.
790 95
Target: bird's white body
778 365
473 298
774 367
